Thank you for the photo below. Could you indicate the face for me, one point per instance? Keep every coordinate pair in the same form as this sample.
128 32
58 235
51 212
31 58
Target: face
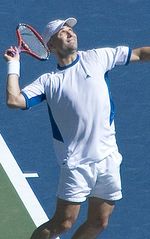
64 42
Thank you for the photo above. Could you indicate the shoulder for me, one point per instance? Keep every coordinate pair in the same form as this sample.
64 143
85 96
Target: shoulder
90 54
104 50
46 78
95 52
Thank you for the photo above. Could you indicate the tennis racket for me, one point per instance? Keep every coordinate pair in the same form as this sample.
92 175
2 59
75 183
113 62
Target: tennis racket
31 42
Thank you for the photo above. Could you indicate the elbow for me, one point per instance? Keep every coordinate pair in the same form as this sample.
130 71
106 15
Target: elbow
15 101
12 102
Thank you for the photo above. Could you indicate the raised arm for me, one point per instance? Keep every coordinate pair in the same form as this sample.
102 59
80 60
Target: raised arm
140 54
14 97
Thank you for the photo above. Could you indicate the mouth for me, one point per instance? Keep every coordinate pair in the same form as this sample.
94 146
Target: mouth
70 39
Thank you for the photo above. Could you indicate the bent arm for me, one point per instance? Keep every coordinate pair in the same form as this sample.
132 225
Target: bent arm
13 93
14 98
140 54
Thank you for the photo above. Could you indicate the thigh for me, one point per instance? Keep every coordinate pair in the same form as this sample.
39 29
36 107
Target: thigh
100 209
66 210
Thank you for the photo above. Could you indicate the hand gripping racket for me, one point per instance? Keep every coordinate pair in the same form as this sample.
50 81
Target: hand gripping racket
31 42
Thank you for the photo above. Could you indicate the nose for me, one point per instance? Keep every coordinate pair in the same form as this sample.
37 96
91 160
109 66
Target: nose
69 34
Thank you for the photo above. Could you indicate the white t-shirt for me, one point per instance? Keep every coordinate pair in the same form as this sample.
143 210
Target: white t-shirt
80 105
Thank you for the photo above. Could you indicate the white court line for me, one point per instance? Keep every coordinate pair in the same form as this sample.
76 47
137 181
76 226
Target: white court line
21 185
31 175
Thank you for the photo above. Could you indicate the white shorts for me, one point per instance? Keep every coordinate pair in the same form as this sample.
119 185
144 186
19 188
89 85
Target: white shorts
100 180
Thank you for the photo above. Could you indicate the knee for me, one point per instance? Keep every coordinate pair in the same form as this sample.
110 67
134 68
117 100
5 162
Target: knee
66 225
103 224
63 224
99 224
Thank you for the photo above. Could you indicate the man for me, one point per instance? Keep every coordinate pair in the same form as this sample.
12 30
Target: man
82 118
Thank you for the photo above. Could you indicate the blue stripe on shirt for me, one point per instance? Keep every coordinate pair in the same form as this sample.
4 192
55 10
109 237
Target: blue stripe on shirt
34 100
129 56
55 130
112 106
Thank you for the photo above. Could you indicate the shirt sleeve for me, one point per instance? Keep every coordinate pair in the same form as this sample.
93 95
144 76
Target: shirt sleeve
110 57
34 93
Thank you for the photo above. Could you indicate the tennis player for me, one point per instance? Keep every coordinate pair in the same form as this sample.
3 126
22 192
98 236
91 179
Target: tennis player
82 117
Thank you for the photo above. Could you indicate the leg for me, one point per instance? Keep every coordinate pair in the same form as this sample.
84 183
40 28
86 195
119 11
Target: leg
63 219
98 215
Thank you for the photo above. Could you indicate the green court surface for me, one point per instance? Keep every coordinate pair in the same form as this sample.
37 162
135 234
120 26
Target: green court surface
15 221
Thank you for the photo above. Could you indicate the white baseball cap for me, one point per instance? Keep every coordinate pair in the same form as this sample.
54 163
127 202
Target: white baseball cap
54 26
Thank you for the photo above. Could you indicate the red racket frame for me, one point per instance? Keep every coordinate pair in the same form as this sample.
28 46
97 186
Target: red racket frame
23 47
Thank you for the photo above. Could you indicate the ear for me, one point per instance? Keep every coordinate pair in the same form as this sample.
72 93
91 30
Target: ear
50 46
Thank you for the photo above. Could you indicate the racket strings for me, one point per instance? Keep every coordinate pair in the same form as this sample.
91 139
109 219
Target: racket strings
32 42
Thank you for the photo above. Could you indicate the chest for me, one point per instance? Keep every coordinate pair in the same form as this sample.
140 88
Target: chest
82 82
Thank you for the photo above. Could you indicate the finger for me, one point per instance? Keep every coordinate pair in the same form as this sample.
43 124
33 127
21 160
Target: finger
10 52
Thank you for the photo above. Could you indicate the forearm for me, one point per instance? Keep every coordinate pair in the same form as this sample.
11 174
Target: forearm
141 54
14 97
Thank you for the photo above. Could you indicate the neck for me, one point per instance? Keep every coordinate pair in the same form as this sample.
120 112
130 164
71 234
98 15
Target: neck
63 61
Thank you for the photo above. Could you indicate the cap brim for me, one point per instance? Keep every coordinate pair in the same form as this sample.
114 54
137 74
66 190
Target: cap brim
71 21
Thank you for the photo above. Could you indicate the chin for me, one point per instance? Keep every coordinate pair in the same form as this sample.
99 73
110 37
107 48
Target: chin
72 51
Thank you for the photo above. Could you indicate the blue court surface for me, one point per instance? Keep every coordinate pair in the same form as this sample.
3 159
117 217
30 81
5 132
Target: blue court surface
26 140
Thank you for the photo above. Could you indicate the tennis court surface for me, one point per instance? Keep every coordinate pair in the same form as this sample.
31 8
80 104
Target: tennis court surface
28 168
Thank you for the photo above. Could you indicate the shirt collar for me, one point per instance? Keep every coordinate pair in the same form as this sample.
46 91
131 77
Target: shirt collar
69 65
